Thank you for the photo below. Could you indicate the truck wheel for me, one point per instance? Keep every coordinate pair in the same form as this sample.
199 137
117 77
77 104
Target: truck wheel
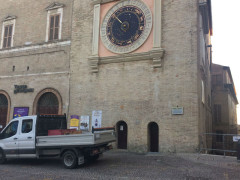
69 159
2 157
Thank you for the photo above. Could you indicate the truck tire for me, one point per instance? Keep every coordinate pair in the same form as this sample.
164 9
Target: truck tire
69 160
2 157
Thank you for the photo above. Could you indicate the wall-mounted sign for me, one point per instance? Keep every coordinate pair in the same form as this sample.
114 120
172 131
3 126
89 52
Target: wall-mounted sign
20 111
97 119
22 89
236 138
74 122
84 123
177 110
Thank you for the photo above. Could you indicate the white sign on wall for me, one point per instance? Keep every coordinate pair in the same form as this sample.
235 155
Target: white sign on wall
97 119
84 123
236 138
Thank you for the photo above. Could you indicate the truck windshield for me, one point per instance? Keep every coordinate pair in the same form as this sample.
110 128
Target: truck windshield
11 130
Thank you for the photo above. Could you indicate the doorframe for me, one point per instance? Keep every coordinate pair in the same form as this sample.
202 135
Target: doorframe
117 127
149 137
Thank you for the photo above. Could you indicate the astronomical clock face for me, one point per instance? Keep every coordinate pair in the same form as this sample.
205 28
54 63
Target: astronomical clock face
126 26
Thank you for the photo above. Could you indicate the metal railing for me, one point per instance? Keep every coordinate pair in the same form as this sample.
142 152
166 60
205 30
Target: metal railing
222 144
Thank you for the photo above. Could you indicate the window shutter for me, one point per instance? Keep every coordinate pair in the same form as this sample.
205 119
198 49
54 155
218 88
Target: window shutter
7 39
51 28
54 27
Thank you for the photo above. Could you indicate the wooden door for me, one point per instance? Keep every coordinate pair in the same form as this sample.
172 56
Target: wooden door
122 135
153 137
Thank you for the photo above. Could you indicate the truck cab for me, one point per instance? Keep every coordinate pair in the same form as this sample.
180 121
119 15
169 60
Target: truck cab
18 138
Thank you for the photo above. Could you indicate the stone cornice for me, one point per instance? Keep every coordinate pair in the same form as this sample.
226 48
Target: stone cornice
8 18
34 49
54 5
155 55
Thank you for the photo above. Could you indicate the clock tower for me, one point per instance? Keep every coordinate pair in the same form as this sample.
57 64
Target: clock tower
138 62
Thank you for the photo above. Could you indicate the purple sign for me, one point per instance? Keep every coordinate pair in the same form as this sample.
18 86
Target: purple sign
20 111
74 117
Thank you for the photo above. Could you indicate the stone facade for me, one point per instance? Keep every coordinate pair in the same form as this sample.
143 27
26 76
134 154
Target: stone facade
32 60
129 88
170 70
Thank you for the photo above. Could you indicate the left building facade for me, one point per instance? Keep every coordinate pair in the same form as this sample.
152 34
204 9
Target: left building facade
34 51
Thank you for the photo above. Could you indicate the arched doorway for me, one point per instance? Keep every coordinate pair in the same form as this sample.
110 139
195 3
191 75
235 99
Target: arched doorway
153 133
4 104
48 101
48 104
122 131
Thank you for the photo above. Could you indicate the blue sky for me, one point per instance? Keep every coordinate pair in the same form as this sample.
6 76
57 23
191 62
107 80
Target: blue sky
226 38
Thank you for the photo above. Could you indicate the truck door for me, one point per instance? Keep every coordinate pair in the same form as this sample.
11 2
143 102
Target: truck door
9 138
26 140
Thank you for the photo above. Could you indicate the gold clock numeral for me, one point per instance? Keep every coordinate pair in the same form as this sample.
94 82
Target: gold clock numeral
135 38
141 28
137 11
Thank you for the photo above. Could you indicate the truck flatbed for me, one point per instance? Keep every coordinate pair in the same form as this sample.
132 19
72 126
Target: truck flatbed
85 139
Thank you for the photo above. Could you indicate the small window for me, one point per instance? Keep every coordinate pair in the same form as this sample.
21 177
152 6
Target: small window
54 27
27 126
8 30
11 130
54 22
7 38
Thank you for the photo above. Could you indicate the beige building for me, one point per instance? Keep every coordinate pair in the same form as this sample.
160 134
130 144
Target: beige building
144 63
225 103
34 55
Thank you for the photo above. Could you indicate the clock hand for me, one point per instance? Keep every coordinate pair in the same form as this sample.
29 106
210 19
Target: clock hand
118 19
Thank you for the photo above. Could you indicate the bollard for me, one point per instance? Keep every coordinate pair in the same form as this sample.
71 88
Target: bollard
238 150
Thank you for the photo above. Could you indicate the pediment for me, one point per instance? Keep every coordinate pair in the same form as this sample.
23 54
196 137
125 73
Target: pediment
55 5
9 17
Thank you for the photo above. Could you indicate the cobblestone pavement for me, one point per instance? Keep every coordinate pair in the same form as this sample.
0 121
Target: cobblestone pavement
123 165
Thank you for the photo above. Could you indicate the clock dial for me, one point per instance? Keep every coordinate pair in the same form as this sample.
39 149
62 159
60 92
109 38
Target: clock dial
126 26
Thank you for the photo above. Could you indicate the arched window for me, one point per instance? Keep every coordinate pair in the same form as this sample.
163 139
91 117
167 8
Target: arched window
3 111
47 101
48 104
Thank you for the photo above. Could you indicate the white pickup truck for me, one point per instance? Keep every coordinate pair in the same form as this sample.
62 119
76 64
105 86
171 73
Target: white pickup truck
27 137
